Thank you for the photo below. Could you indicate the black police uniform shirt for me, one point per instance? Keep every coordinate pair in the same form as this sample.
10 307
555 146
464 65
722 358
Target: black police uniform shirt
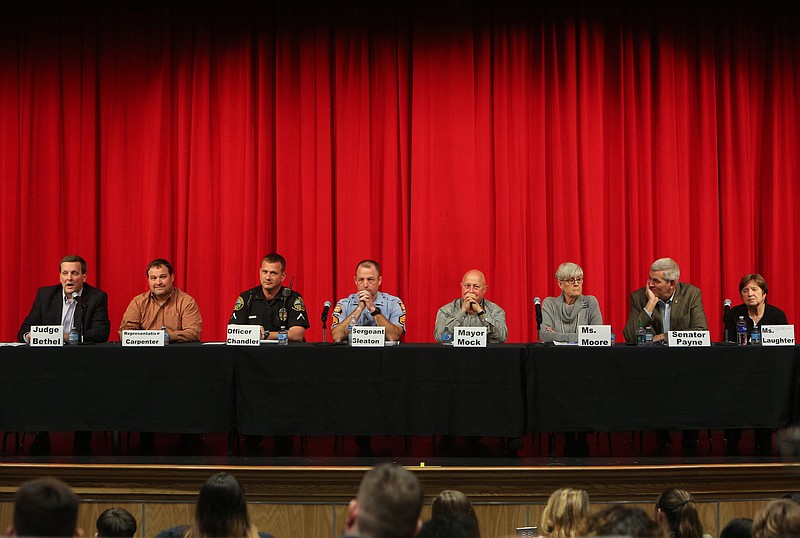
252 308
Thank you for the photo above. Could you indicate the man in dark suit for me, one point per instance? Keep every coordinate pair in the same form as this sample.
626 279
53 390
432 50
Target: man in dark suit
55 305
667 304
72 303
665 294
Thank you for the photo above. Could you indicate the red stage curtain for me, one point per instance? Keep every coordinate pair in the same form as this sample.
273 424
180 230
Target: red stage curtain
433 137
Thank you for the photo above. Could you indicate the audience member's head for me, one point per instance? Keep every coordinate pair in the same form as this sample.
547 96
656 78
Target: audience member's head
451 526
565 509
450 502
676 511
116 523
780 517
45 507
741 527
221 509
620 520
388 504
792 497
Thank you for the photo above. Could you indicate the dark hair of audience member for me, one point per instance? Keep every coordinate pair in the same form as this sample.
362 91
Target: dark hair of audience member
390 500
451 502
741 527
116 523
792 497
679 513
620 520
780 517
564 511
221 509
45 507
451 526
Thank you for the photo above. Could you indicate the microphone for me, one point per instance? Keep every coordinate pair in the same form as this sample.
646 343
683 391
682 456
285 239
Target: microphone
538 305
726 311
325 308
286 292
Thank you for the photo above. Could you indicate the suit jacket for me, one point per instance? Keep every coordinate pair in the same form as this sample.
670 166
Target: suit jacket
46 310
686 313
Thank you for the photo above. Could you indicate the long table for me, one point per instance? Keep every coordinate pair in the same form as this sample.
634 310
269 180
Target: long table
411 389
647 388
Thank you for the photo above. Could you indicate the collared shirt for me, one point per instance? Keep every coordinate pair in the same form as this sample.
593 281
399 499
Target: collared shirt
253 308
179 314
666 306
68 311
451 316
391 307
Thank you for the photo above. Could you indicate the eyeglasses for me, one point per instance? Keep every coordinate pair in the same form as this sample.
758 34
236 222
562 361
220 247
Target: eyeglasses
573 280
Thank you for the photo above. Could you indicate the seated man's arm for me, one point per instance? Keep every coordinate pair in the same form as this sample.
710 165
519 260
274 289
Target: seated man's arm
447 316
98 325
341 320
132 318
395 324
636 316
498 331
698 321
192 324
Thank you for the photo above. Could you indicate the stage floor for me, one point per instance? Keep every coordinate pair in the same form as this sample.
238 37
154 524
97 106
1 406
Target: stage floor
212 449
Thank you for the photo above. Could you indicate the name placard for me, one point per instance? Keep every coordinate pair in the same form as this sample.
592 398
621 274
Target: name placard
469 337
46 335
243 335
368 336
777 335
689 339
594 335
137 338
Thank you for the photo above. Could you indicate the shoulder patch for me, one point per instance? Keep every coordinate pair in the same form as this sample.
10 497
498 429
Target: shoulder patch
239 304
298 305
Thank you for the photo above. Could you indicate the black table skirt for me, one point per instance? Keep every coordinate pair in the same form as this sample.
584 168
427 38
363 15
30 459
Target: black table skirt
631 388
184 388
409 389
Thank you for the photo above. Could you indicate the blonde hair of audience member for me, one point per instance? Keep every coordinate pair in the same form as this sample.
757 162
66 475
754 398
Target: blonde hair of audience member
451 501
221 510
620 520
780 517
675 510
565 510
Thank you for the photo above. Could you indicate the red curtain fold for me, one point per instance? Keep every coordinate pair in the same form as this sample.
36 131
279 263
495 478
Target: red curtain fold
433 137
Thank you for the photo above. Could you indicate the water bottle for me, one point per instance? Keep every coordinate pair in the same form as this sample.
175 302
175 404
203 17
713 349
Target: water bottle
283 337
741 332
648 336
755 335
640 338
166 335
350 330
447 336
73 337
613 339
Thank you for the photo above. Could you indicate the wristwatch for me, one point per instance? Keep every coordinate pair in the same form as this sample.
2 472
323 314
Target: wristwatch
375 312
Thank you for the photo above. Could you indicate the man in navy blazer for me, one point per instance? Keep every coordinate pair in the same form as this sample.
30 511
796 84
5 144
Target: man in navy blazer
72 303
55 305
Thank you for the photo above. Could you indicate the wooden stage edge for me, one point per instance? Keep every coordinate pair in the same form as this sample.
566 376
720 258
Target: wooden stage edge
338 484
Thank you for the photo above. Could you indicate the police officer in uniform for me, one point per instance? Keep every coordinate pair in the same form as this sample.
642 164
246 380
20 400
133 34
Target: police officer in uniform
262 305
